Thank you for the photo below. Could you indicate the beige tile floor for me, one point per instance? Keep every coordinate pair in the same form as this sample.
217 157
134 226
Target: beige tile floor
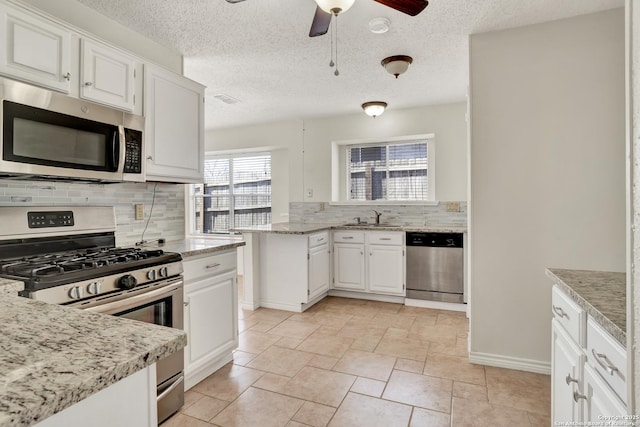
347 362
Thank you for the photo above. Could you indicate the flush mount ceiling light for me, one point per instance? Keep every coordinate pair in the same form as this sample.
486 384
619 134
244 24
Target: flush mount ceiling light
397 64
335 6
374 108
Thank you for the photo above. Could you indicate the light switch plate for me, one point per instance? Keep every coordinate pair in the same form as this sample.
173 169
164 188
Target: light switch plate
453 206
139 211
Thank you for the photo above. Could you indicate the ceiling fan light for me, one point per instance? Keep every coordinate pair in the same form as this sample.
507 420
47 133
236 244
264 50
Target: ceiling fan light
374 108
335 6
397 64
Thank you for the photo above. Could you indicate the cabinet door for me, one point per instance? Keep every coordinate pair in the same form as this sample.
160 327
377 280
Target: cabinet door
600 402
174 112
34 50
318 270
348 266
566 376
211 318
386 269
107 75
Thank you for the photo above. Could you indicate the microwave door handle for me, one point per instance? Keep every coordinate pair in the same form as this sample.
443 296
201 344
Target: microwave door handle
114 152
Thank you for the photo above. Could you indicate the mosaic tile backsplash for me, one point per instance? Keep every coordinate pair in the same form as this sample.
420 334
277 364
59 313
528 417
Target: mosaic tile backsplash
325 213
167 218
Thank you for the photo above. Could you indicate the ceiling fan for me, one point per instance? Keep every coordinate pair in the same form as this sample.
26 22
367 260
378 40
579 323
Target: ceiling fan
328 8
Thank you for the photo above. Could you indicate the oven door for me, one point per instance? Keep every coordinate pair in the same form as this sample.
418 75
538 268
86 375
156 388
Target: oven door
160 304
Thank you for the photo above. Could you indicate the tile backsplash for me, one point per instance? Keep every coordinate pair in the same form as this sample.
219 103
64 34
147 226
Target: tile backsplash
167 217
420 215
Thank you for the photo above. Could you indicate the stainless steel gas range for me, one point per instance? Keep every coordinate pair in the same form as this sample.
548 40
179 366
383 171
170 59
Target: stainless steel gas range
67 256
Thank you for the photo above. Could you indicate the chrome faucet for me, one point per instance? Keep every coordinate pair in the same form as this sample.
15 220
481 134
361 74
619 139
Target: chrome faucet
357 220
378 215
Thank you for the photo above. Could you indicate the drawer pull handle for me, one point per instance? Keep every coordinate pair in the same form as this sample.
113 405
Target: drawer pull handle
570 380
348 237
385 238
216 265
577 396
321 239
606 365
559 311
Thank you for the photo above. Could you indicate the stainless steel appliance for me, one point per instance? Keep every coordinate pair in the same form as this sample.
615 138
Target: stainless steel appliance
435 267
48 134
67 255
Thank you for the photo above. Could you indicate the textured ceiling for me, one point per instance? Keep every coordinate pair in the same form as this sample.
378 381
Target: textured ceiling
259 52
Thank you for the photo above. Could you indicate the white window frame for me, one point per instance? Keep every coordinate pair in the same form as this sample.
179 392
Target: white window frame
340 183
190 226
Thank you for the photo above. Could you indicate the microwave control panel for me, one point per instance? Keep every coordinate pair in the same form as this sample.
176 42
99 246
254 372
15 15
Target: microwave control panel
133 151
50 219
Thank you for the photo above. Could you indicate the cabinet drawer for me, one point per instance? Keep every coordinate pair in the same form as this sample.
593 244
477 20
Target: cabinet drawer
208 265
385 238
607 357
568 314
318 239
348 237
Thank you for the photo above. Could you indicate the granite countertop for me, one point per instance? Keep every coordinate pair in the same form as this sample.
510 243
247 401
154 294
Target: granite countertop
301 228
602 294
199 246
53 356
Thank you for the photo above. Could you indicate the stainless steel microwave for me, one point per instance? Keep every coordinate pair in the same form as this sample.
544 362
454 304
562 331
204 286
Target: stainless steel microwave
48 134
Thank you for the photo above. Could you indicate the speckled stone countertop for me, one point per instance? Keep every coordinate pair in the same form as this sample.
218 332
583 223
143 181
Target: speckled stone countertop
602 294
199 246
10 287
53 356
298 228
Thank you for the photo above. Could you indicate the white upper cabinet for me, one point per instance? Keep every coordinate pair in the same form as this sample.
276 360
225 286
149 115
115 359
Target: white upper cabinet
174 116
107 75
34 50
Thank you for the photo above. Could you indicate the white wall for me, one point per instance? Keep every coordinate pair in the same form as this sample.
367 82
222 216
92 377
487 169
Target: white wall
306 147
547 174
83 17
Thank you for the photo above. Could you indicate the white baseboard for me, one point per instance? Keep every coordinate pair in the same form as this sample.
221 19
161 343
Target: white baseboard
249 306
296 308
520 364
438 305
367 296
194 376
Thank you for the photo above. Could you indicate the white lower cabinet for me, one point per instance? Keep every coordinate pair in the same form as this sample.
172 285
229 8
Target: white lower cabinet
348 266
567 360
294 270
210 315
588 371
369 261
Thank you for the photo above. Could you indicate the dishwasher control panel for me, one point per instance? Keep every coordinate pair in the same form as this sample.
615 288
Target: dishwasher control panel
435 240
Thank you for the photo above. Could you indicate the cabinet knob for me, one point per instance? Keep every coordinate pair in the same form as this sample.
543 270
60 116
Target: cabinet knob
577 396
570 380
88 84
186 303
67 77
149 157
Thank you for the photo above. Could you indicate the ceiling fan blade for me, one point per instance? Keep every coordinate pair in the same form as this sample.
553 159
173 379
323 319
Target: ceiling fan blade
410 7
320 24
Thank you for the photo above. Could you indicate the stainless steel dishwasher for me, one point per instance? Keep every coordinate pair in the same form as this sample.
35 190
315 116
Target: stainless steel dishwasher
435 267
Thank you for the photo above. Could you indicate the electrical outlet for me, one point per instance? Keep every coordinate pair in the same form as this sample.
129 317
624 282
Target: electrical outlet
309 193
139 211
453 206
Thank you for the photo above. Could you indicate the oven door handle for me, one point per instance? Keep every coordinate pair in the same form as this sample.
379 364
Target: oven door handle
171 388
137 299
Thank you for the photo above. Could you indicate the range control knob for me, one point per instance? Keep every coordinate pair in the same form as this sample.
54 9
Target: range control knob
75 292
151 275
94 288
163 272
127 282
